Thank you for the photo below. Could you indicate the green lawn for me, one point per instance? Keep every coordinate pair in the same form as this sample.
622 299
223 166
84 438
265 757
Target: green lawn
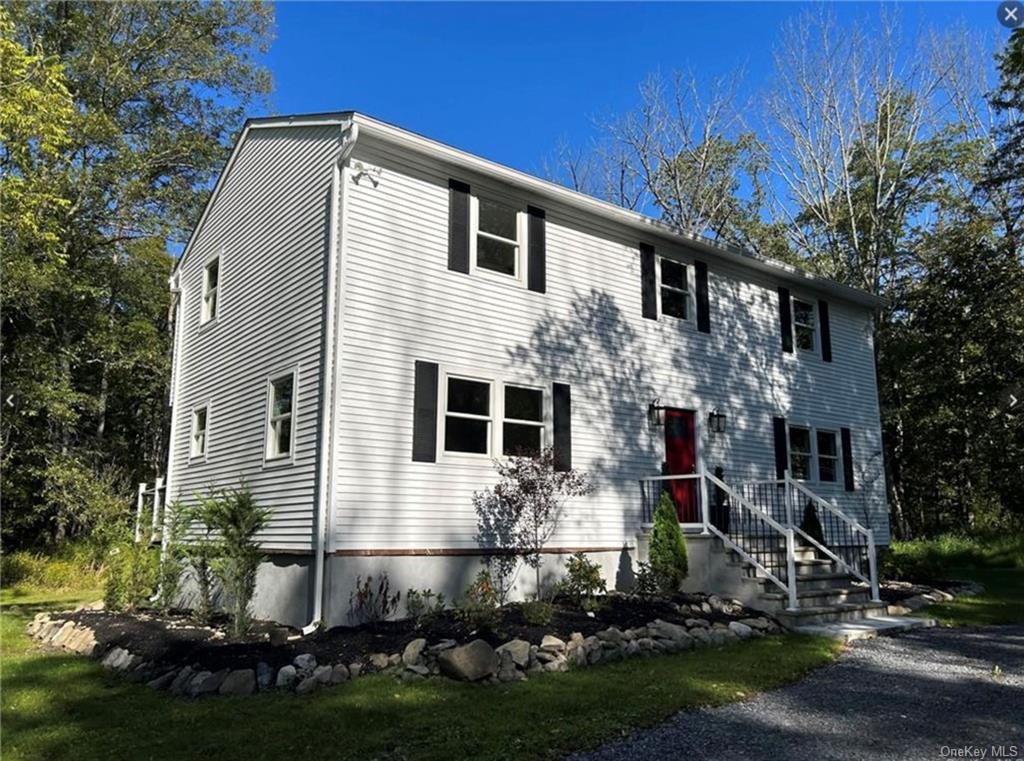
58 707
1001 603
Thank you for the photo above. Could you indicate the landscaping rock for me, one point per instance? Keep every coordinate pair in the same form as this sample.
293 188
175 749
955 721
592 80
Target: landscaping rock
307 685
355 669
379 661
470 662
181 681
445 644
741 630
163 681
286 678
394 659
197 679
756 623
305 662
701 622
672 632
264 675
611 635
418 668
552 644
210 684
279 635
413 651
322 674
557 665
519 649
339 674
239 683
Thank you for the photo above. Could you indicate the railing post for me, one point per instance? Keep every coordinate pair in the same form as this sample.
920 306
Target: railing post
873 566
157 504
138 511
789 499
791 567
704 501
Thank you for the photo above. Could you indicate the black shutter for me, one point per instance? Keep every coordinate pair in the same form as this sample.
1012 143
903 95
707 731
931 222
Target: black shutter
781 447
826 331
536 279
458 226
648 282
424 418
786 320
562 424
703 304
847 459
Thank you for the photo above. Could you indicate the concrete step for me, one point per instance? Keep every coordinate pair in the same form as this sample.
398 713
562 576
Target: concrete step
829 614
819 580
867 628
819 597
814 567
800 553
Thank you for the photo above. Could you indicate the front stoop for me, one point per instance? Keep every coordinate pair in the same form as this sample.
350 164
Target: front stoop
866 628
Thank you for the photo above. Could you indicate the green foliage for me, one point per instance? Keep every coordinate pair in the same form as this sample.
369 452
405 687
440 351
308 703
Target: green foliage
583 580
73 566
479 604
199 551
420 604
939 558
370 604
132 573
236 518
645 582
173 558
538 612
668 548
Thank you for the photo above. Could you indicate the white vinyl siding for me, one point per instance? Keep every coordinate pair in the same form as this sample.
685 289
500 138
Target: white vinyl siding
400 303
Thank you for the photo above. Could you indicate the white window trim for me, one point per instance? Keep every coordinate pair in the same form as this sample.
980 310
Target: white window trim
204 316
814 469
817 323
289 457
496 416
519 278
691 303
193 455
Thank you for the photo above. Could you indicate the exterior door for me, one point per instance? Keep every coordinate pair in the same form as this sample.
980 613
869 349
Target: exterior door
681 459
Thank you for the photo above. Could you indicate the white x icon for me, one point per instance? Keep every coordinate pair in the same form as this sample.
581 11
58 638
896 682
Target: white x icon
1011 14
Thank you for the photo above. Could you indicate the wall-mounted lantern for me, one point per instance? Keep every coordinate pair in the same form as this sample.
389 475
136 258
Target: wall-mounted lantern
655 414
716 421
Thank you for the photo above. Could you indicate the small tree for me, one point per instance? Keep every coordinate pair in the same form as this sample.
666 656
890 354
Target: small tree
668 548
200 551
236 518
520 513
173 556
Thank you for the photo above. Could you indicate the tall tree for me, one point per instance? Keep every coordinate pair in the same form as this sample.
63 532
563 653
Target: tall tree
156 91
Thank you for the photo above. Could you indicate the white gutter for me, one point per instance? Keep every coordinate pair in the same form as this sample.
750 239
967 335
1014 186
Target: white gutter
328 375
174 285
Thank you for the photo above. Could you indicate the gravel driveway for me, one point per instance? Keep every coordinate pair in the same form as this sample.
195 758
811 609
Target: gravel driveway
929 694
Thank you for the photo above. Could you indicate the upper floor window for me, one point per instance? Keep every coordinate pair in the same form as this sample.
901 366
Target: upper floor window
467 418
804 325
200 416
523 427
497 237
211 280
281 416
674 289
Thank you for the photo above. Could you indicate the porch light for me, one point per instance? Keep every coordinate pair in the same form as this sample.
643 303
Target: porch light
716 421
655 414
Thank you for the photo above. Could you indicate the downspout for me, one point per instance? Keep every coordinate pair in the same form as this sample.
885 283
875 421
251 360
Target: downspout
328 361
177 312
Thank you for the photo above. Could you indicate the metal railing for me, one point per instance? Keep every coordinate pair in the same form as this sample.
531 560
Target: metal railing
149 509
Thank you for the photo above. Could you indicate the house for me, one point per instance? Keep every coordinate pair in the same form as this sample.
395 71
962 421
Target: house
365 318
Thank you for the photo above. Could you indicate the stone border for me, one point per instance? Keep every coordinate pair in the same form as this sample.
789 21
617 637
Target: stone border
475 661
934 595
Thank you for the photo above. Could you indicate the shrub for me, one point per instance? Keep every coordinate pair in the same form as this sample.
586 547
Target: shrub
668 548
131 574
645 581
71 567
423 603
172 557
367 604
236 518
936 558
200 550
479 604
538 612
583 580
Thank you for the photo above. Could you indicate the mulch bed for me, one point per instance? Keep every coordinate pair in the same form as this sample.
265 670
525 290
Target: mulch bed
175 639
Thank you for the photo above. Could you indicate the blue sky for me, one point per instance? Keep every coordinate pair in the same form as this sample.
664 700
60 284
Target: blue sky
506 81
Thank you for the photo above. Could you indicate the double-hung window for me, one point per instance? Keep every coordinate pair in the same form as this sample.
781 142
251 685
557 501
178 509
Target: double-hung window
467 418
804 325
674 290
800 453
523 426
200 417
498 236
211 281
280 416
828 455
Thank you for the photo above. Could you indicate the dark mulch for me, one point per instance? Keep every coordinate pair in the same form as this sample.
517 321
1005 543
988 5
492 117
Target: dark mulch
176 640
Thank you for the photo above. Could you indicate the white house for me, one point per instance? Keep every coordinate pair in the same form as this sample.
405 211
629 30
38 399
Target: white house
365 318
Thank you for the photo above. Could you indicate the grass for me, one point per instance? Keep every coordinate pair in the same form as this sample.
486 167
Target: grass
996 562
58 707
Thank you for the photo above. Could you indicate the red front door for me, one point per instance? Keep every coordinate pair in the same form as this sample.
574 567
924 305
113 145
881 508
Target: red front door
681 458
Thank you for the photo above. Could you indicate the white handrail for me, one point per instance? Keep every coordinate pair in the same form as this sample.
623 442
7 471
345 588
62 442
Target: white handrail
828 506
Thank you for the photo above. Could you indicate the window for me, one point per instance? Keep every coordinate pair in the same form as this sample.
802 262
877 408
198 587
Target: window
467 419
200 415
800 455
674 295
497 237
523 427
828 456
211 278
804 324
281 417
